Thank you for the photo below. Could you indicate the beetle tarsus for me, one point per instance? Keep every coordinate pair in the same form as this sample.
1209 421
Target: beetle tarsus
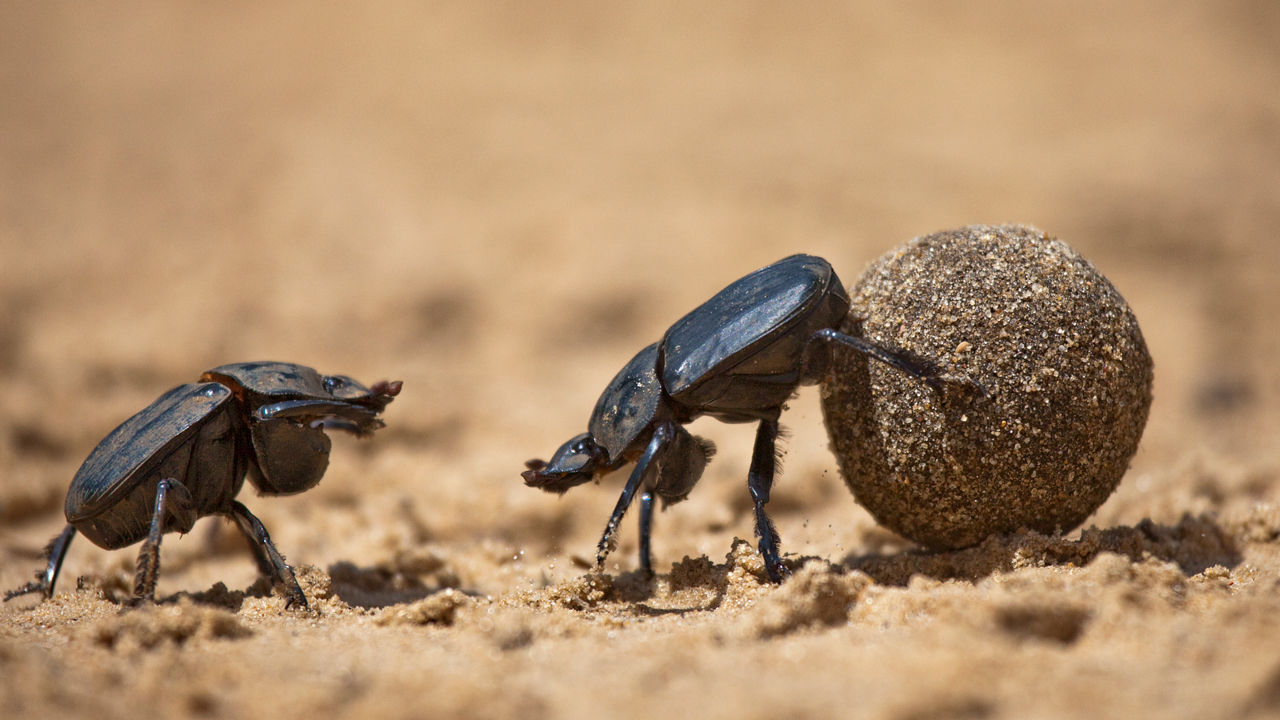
54 552
960 379
31 587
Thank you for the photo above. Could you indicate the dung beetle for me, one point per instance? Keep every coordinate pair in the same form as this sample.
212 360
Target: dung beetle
186 455
737 357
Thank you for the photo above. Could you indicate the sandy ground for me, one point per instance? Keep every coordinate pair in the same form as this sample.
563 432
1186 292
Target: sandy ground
499 206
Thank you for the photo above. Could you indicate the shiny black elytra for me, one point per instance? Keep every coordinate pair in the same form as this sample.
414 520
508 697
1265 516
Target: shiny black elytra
737 357
186 456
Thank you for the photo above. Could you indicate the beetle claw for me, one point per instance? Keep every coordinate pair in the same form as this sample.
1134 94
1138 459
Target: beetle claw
940 383
295 600
777 573
32 587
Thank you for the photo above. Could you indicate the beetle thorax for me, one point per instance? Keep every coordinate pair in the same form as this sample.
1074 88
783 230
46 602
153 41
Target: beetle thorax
629 407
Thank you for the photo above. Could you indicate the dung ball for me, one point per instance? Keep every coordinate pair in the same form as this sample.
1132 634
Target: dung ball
1065 381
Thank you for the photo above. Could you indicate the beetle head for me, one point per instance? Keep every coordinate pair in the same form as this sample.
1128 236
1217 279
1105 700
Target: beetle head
288 407
270 390
359 406
576 462
348 389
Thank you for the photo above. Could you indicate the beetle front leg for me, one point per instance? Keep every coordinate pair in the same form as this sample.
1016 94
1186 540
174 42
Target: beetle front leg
253 528
759 482
182 507
644 473
54 552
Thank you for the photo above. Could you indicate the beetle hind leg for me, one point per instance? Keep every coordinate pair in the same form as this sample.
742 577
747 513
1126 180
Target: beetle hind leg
916 367
764 461
54 552
646 527
268 555
172 498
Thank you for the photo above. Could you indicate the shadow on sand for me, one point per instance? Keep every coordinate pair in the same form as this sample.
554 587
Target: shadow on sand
1194 544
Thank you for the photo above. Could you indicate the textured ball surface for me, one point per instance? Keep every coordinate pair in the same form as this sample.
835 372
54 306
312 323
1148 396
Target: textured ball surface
1059 353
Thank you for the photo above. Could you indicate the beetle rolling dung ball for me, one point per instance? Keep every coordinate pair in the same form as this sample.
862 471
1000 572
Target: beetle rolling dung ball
1054 345
736 357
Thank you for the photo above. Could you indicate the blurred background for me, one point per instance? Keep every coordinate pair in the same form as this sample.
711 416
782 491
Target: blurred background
498 203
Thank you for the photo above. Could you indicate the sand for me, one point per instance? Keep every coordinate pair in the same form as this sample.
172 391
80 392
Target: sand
500 206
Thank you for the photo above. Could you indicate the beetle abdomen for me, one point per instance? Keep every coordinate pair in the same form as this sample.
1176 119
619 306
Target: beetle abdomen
189 434
742 352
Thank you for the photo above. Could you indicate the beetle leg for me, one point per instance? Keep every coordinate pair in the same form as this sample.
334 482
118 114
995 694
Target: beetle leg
266 566
759 482
253 529
646 525
915 367
55 551
331 413
182 508
884 355
643 474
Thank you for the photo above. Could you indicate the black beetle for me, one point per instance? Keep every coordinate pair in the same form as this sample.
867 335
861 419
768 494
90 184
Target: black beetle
737 357
186 455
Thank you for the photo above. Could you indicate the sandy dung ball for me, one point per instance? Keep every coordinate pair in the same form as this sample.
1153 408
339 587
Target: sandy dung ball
1059 353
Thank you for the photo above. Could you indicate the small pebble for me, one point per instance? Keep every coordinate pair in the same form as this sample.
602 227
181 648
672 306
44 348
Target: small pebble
1053 344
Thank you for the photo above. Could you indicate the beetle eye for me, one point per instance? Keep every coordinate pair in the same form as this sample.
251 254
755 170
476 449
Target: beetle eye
333 383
